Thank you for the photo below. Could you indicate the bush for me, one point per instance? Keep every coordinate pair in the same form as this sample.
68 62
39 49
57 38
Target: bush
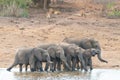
15 8
112 11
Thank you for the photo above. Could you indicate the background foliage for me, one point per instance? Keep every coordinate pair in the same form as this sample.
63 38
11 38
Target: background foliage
15 8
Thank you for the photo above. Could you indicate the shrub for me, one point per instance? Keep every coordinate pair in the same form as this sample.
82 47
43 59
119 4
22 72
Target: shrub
15 8
112 11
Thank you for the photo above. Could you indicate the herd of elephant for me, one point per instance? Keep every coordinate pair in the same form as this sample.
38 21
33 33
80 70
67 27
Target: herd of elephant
71 53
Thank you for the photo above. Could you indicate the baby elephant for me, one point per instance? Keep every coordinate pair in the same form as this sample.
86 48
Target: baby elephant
87 54
72 53
57 55
29 56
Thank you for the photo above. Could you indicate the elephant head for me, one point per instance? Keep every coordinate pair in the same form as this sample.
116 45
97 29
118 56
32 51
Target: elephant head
42 55
95 44
39 55
86 43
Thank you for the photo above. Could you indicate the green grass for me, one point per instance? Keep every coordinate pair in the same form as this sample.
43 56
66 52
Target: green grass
17 8
112 12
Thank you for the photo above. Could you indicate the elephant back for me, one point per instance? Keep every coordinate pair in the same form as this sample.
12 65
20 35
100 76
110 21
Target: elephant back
23 55
46 45
71 41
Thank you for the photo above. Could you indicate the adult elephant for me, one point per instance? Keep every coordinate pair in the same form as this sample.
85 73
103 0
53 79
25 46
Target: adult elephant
29 56
72 53
86 43
57 55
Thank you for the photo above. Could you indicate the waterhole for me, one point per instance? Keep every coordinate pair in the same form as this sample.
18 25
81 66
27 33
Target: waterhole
95 74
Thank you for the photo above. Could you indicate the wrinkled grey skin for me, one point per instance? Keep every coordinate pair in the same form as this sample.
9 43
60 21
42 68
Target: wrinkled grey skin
72 53
87 54
29 56
57 55
86 43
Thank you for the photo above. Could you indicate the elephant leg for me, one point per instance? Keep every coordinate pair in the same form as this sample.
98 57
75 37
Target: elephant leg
14 64
65 65
32 67
77 65
51 67
26 66
90 64
54 67
73 64
83 63
59 65
39 65
20 66
46 66
69 63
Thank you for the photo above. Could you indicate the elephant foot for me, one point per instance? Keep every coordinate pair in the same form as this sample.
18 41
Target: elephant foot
32 70
73 69
91 69
58 69
8 69
52 70
86 70
46 70
41 70
67 70
78 68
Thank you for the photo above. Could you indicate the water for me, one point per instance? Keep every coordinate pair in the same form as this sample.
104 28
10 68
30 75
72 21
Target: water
95 74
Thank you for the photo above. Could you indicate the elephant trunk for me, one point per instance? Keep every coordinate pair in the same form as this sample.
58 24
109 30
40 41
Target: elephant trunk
100 58
66 64
48 60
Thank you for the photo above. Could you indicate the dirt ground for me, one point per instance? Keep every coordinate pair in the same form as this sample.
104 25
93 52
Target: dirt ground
30 32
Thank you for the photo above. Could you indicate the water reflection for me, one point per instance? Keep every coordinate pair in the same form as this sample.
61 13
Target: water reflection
96 74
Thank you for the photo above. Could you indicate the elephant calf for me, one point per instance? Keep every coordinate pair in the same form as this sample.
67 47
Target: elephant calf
29 56
57 55
72 53
87 54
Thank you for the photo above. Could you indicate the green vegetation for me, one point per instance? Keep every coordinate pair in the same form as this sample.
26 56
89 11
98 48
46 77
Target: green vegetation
17 8
112 11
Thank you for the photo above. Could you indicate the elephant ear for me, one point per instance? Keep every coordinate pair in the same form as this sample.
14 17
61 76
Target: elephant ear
87 44
37 53
51 52
95 44
71 50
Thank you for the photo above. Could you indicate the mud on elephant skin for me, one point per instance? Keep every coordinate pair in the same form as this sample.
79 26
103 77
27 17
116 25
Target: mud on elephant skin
29 56
86 43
